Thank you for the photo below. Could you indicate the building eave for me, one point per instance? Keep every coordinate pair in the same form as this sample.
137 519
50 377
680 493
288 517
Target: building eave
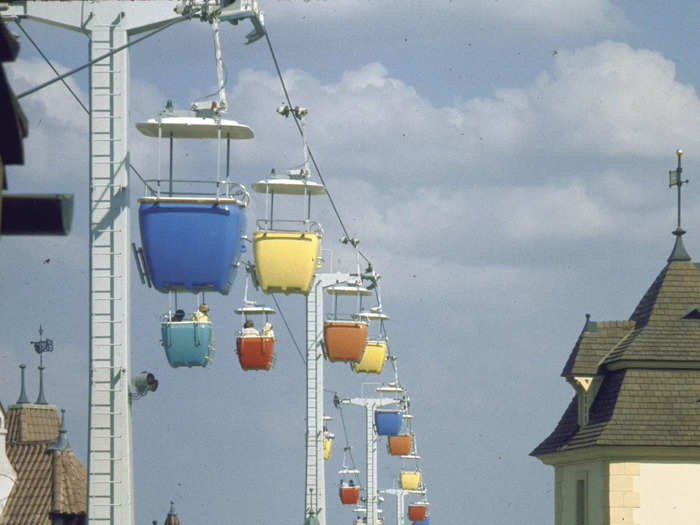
658 365
618 453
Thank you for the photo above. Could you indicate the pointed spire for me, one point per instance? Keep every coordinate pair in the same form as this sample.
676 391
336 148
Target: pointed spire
61 442
172 518
22 393
679 252
41 400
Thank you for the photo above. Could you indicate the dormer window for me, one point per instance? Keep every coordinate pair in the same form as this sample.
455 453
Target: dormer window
586 389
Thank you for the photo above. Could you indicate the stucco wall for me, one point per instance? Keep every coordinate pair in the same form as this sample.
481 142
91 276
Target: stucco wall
669 493
7 473
596 476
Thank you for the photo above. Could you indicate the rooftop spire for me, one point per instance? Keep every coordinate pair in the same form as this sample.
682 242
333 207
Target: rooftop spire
41 400
61 442
172 518
679 253
22 393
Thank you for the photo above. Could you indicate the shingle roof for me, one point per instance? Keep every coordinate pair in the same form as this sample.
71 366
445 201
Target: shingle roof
594 343
662 333
69 497
32 424
48 483
675 289
650 371
641 407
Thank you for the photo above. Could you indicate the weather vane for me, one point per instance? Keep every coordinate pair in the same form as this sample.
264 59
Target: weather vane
42 345
674 179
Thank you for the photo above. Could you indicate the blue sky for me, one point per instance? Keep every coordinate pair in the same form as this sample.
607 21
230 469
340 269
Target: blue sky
504 165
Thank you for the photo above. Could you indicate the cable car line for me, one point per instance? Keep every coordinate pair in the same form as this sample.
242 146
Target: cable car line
101 57
70 90
311 155
284 319
41 53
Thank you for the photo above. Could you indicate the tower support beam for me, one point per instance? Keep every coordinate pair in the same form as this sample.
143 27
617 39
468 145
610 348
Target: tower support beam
400 497
108 25
315 486
371 468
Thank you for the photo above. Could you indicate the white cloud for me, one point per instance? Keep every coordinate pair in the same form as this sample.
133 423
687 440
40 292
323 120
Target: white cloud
618 100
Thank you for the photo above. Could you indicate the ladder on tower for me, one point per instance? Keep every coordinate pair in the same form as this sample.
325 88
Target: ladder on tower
109 462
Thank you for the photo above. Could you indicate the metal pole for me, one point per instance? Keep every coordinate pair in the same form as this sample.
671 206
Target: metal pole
315 486
370 405
228 156
315 476
371 490
170 187
108 24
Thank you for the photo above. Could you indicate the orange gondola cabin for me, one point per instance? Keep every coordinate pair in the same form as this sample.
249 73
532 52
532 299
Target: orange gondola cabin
255 348
400 445
345 339
349 493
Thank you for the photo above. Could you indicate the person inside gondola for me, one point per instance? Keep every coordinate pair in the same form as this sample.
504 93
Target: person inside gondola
202 314
178 316
268 331
249 329
351 483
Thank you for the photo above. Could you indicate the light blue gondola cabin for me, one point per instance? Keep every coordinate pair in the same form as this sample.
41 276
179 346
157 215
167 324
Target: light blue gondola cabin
187 343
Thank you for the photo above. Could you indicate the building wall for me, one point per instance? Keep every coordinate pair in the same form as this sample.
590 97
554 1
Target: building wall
624 496
594 476
7 473
669 493
628 493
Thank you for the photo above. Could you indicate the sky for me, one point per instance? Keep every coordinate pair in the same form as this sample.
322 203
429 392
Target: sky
504 165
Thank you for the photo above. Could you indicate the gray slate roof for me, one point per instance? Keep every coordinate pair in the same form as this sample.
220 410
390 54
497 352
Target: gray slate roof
641 407
594 343
649 366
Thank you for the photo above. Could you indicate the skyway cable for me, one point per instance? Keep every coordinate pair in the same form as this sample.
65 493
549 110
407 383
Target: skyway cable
279 309
75 95
101 57
301 132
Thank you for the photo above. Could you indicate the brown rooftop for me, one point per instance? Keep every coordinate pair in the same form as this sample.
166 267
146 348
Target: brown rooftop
50 483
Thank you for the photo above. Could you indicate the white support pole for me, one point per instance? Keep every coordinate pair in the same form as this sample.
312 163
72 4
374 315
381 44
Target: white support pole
223 104
372 494
371 466
108 23
110 484
314 496
315 486
400 497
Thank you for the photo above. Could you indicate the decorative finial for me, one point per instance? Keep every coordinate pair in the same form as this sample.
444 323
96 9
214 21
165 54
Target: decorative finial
42 345
172 509
679 253
22 393
674 179
41 400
